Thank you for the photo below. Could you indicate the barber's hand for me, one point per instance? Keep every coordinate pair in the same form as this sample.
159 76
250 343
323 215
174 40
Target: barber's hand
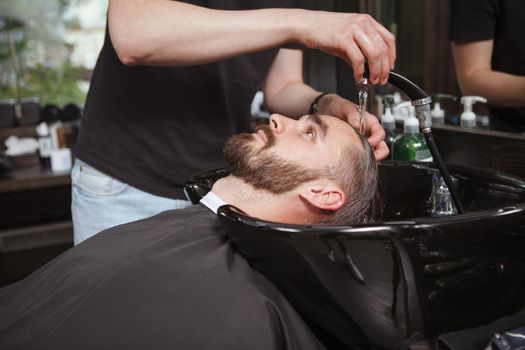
353 37
344 109
375 134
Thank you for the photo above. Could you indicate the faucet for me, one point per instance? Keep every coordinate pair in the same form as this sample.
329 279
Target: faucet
421 102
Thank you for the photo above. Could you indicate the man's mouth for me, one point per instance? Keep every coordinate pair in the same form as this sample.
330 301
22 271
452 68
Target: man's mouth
261 135
265 134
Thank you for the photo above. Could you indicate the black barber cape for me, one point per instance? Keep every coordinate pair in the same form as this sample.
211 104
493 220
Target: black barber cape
172 281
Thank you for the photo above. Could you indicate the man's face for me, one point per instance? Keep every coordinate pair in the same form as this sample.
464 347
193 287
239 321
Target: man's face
286 153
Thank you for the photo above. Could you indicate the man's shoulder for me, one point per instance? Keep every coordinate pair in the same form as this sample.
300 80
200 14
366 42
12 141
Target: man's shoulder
195 222
171 219
178 216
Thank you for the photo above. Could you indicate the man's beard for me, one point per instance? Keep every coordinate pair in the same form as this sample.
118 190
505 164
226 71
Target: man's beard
262 169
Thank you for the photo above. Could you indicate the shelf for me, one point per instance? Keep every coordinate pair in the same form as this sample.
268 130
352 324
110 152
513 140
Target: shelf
32 178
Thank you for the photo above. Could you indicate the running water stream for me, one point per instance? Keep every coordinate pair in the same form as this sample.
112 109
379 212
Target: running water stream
362 88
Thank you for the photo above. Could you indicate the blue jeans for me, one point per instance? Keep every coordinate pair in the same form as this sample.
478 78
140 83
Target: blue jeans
100 202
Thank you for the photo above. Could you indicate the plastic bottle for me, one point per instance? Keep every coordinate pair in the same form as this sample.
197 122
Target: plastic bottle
411 145
61 160
483 122
437 113
45 145
397 97
389 124
468 118
401 111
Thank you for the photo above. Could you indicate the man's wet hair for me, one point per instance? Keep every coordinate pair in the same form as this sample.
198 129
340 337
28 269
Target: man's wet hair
357 173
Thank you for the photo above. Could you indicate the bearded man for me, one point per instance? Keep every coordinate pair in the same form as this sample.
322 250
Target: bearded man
174 281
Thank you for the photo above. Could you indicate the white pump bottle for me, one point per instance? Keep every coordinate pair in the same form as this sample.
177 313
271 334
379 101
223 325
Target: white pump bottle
388 120
402 111
468 118
411 123
438 114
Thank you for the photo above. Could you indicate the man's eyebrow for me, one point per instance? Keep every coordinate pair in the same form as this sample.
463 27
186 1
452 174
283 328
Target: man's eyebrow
314 118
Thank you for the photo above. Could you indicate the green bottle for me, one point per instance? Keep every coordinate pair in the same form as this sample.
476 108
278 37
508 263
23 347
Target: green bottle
411 145
389 124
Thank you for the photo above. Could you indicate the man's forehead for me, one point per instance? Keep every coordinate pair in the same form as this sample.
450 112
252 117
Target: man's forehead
342 132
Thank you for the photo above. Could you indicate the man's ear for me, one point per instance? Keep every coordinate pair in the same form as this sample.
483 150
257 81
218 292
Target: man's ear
324 196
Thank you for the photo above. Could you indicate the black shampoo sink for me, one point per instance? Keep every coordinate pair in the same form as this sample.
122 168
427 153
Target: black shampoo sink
407 278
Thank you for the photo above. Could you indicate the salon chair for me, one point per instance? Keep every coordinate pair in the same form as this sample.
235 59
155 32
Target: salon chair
403 280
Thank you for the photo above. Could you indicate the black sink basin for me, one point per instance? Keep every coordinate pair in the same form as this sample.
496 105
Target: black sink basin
409 277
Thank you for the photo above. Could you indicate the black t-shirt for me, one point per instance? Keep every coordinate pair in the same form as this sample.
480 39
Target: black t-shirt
172 281
502 21
155 127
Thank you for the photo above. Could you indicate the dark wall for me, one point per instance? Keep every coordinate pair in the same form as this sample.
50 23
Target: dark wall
424 53
423 50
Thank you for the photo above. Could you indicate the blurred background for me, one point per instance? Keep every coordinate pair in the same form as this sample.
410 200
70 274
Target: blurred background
48 49
57 43
56 49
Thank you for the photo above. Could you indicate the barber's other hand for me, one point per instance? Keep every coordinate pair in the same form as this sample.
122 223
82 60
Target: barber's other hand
354 37
344 109
375 134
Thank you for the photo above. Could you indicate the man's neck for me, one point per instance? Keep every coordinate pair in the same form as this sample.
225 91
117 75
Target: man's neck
236 192
285 208
257 203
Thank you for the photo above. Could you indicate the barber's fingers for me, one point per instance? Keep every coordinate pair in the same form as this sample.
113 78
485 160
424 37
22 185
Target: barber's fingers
377 46
375 50
385 71
354 57
374 131
354 37
376 138
353 120
375 135
390 41
381 151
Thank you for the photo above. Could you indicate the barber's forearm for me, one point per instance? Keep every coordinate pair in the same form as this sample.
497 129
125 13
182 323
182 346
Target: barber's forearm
293 100
500 89
284 89
160 32
473 62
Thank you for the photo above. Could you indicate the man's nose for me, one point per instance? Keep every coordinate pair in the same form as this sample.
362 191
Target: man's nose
278 123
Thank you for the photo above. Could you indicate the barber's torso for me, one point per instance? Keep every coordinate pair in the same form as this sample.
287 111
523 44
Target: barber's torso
509 57
155 127
500 21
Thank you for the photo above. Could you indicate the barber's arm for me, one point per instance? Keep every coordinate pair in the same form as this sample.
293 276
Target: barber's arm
476 77
286 93
173 33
